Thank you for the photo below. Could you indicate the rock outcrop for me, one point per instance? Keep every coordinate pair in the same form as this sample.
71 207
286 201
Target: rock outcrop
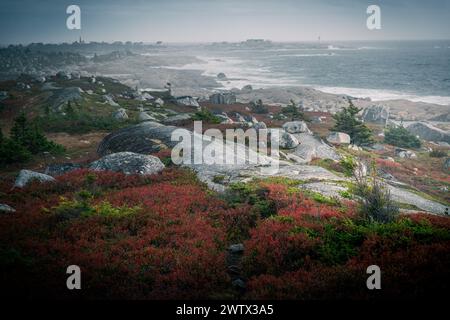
296 127
144 116
376 114
128 163
338 138
147 137
428 132
120 114
311 147
287 140
187 101
26 176
223 98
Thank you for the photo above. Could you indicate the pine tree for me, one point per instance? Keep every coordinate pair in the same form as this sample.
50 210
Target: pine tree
293 112
31 137
400 137
347 122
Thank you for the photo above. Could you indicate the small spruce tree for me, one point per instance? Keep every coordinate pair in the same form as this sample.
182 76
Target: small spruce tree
347 122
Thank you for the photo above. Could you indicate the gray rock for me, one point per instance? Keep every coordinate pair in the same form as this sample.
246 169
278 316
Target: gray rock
144 116
259 125
63 75
288 141
128 163
296 127
311 147
338 138
109 100
404 154
428 132
74 75
376 114
159 102
59 99
236 248
56 169
4 208
26 176
223 98
187 101
408 197
120 114
177 118
147 137
221 76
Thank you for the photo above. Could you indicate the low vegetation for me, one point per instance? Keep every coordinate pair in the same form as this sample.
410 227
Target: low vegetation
165 236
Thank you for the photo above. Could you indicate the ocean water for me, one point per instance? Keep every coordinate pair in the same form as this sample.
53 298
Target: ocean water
412 70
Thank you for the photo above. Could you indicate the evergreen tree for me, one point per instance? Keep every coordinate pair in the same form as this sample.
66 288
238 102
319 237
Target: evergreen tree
11 151
347 122
31 137
400 137
293 112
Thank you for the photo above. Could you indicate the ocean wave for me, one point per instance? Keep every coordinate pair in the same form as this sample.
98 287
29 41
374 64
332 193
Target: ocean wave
383 95
309 55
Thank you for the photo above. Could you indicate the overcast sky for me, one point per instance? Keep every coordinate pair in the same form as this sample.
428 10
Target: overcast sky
25 21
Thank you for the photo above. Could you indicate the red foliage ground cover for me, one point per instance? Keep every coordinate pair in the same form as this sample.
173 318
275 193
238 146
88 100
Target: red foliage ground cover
165 237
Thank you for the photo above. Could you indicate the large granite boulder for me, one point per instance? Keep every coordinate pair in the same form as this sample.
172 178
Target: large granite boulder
26 176
128 163
338 138
287 140
376 114
147 137
404 154
223 98
120 114
428 132
311 147
296 127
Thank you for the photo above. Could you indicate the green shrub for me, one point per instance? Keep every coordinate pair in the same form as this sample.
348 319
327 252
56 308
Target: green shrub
400 137
375 201
206 116
348 165
438 154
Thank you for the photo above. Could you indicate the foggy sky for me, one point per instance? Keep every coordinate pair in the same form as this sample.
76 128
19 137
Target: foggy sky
25 21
